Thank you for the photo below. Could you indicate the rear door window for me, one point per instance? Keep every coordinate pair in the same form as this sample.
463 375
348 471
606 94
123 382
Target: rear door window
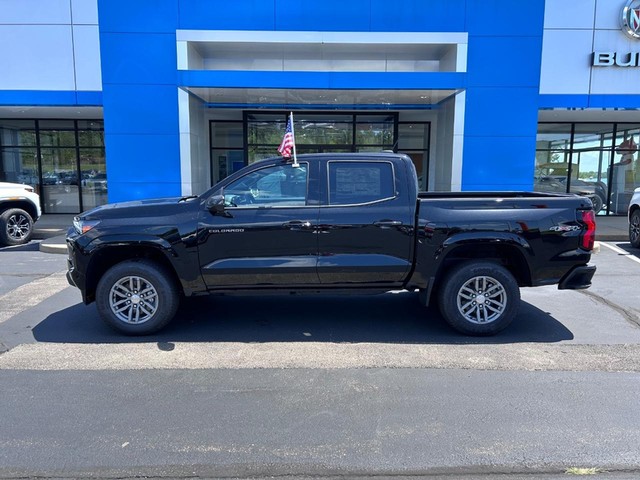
353 183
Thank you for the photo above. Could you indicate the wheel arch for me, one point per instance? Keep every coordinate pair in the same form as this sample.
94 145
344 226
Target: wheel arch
509 256
25 205
107 256
632 209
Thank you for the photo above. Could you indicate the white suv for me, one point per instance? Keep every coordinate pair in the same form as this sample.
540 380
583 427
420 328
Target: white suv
19 209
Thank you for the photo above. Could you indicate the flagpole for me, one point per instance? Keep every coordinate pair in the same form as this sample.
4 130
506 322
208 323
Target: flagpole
293 135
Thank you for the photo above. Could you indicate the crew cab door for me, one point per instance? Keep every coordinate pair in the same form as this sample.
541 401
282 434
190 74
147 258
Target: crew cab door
265 237
365 229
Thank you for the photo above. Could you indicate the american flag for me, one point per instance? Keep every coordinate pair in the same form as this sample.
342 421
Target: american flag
287 142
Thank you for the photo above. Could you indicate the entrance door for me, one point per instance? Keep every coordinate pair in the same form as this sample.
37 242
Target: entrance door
266 236
365 227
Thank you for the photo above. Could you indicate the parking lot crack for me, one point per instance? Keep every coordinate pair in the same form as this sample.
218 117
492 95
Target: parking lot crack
629 316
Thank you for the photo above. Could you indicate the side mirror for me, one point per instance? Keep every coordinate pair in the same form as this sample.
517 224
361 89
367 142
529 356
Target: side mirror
215 204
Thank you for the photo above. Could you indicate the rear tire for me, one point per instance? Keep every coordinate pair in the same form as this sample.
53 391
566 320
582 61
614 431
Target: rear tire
479 298
16 227
137 297
634 229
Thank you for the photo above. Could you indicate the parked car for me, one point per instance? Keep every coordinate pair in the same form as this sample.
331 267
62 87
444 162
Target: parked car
595 191
337 223
634 219
96 182
19 210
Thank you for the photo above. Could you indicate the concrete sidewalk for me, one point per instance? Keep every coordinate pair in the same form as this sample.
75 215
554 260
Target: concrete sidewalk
52 229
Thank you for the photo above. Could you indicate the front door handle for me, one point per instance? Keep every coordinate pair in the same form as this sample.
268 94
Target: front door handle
387 223
297 224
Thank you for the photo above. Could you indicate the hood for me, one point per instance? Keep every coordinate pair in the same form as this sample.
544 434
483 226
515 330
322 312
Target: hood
156 207
13 186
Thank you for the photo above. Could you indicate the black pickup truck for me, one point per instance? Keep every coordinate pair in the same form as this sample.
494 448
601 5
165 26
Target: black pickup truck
339 223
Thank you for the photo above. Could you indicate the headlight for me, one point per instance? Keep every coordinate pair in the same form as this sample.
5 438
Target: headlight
83 226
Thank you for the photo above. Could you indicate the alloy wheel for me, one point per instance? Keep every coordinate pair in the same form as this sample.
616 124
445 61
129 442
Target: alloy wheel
482 300
133 299
634 229
18 227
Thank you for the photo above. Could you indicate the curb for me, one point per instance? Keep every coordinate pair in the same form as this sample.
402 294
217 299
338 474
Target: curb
51 248
54 245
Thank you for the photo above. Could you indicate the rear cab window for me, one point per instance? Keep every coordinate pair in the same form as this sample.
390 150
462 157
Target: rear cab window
356 183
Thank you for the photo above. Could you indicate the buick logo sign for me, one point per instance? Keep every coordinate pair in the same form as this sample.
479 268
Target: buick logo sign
631 18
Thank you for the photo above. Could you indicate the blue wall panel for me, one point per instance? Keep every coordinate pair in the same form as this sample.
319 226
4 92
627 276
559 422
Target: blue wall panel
499 163
136 16
141 109
140 96
50 98
150 154
511 112
139 58
352 15
505 17
505 48
504 61
231 15
418 16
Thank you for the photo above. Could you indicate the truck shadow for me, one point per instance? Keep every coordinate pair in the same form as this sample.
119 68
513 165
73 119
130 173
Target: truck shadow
389 318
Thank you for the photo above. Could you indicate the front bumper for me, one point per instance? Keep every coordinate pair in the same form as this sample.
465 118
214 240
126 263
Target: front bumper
577 278
75 267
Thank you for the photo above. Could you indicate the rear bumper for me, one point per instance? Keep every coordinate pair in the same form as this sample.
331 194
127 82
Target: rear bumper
577 278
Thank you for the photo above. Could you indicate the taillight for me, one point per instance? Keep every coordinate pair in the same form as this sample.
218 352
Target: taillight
589 236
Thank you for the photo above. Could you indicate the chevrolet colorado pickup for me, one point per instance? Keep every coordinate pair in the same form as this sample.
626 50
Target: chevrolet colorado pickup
341 223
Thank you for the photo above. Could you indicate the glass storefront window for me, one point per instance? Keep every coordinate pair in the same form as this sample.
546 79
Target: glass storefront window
315 132
93 175
413 136
91 138
57 138
625 169
323 133
586 159
227 162
227 134
17 133
262 132
60 180
68 169
20 165
374 133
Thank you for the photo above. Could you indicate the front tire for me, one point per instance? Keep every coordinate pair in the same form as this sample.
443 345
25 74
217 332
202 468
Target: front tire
479 298
634 229
16 227
137 297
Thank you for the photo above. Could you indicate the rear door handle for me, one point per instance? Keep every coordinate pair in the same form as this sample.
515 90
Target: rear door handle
387 223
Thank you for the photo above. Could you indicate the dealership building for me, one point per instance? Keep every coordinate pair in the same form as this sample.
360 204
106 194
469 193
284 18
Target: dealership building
111 100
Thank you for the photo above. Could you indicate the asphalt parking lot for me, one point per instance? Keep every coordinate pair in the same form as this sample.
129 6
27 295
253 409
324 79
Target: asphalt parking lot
320 386
308 331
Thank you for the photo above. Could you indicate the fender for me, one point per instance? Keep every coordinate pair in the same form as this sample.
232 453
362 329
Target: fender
183 260
124 239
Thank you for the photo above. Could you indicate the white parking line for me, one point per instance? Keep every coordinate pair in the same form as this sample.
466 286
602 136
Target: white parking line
616 249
